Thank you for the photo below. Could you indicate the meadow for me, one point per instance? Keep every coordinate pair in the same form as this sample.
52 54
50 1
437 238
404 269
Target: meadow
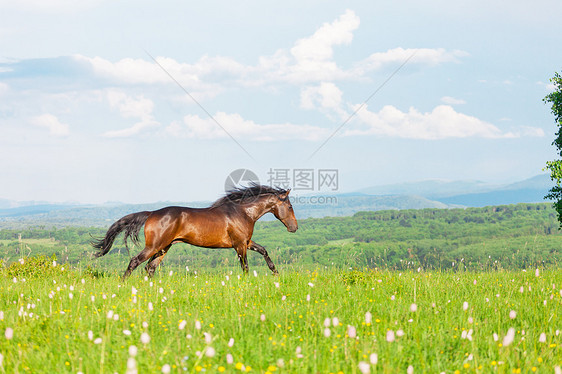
59 318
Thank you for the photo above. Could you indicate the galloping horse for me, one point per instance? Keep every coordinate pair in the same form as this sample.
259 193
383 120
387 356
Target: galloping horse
228 223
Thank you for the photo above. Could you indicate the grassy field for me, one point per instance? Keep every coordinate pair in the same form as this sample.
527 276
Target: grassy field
45 242
303 321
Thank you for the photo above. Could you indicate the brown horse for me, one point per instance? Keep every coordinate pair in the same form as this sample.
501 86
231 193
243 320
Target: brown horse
228 223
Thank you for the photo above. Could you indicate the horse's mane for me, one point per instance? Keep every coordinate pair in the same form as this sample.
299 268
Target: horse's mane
241 195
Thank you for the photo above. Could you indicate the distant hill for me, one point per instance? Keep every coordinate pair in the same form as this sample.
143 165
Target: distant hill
413 195
305 207
430 189
531 190
471 193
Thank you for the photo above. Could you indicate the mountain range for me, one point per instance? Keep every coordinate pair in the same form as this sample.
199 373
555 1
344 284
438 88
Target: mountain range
411 195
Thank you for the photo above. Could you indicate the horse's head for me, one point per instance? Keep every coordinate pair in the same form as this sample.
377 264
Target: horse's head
283 211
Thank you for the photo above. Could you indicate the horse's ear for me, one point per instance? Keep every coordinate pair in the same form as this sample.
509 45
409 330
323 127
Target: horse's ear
284 195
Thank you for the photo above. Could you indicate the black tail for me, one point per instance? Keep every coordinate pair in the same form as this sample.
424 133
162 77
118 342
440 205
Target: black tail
130 224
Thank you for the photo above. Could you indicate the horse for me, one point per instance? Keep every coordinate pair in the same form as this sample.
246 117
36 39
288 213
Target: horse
227 223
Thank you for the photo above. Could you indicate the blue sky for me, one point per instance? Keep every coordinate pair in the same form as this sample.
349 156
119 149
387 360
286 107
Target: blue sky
86 114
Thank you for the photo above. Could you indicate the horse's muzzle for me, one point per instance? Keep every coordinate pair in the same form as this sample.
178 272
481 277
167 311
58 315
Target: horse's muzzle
292 228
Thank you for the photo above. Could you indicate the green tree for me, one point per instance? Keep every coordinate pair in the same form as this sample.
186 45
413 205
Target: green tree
555 167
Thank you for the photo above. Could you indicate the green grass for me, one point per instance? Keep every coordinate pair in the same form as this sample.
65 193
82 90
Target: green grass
50 333
49 242
341 241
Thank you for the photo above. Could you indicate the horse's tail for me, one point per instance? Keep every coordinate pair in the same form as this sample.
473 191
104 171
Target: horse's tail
130 224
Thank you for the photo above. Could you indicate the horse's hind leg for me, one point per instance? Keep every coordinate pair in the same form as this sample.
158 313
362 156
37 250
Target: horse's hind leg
144 255
261 250
155 260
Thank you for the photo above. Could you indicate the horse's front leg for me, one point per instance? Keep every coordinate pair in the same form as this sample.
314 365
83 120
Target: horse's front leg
241 251
261 250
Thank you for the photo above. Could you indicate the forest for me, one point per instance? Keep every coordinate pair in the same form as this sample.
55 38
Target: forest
497 237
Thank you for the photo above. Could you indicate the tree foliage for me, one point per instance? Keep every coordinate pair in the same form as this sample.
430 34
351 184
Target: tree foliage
495 237
555 167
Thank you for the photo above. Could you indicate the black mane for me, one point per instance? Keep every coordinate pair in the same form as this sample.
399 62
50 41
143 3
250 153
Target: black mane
240 195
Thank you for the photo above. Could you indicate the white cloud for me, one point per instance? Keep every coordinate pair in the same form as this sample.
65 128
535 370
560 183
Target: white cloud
319 46
194 126
139 107
130 131
310 60
427 56
313 55
129 70
325 95
452 101
442 122
49 6
528 131
4 88
550 87
52 123
129 107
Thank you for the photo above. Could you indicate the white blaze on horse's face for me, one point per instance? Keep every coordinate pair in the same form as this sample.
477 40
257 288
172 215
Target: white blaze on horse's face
283 211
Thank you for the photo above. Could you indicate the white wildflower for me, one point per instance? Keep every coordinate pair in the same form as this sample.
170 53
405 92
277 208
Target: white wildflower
364 367
210 352
508 338
351 332
390 336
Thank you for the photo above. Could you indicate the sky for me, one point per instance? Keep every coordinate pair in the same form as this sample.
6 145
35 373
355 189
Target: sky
143 101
